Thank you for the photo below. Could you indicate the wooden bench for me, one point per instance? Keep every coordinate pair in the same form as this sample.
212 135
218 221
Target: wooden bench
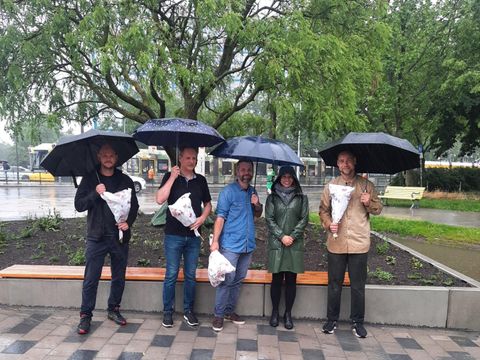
148 274
404 193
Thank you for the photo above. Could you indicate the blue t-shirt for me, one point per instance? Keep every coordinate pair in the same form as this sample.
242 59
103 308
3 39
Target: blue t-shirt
238 233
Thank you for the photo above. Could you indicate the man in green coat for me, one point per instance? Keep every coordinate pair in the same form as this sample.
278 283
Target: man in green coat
286 214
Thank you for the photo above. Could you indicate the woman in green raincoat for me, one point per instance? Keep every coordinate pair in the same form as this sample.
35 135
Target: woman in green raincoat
286 214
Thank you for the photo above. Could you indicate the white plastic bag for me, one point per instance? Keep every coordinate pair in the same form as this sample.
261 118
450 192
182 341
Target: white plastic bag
218 266
119 204
340 196
182 211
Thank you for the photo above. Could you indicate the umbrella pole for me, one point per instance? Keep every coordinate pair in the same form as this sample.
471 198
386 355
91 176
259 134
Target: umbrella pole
255 177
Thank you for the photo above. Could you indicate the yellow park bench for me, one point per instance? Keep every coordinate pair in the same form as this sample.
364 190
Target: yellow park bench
403 193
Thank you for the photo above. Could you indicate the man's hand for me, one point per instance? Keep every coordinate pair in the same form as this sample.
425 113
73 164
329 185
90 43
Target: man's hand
365 199
333 228
199 222
214 246
123 226
255 200
175 172
100 189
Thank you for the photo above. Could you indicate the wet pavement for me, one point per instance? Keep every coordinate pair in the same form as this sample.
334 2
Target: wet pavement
20 202
42 333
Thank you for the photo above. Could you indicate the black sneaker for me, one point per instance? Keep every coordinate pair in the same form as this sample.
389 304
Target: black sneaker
329 327
84 326
190 318
167 320
115 316
359 330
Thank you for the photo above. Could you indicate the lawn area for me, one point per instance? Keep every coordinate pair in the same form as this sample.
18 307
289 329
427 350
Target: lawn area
444 201
433 233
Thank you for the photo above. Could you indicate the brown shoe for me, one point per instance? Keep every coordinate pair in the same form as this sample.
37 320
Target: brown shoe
217 323
235 318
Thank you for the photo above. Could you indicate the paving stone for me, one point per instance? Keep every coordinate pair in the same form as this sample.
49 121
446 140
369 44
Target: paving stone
204 331
287 336
185 327
268 352
408 343
201 354
130 356
129 328
110 351
83 355
460 355
463 341
247 355
163 340
399 357
137 346
266 330
19 347
312 354
247 345
347 340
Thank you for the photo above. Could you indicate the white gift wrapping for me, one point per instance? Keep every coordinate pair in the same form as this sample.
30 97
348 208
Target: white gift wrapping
340 196
218 266
119 204
182 211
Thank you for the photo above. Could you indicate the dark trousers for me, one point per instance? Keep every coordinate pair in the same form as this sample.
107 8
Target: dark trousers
357 271
290 289
95 254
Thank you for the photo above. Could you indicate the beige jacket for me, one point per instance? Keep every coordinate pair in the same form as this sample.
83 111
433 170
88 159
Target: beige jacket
354 228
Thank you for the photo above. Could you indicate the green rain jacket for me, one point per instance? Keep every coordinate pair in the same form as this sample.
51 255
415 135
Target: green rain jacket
283 220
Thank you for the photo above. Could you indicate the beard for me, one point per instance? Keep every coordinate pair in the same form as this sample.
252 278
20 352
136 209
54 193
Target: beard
245 178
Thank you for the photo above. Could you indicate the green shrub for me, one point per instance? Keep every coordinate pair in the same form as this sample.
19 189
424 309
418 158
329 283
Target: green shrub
77 257
391 260
51 222
415 263
382 275
382 247
143 262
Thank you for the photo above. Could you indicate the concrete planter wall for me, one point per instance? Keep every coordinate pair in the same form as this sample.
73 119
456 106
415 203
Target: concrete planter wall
395 305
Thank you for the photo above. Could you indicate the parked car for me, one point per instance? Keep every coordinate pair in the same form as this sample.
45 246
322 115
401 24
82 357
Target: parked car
23 173
41 176
138 183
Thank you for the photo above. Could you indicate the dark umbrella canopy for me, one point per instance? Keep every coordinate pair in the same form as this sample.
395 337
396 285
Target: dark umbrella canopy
375 152
258 149
76 155
177 132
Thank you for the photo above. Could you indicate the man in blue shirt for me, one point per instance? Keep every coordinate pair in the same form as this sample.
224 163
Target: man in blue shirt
234 236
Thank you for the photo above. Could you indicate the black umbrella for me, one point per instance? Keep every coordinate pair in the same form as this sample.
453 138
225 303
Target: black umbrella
375 152
258 149
76 155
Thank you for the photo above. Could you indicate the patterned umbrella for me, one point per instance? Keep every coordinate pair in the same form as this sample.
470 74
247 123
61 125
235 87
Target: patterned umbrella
177 132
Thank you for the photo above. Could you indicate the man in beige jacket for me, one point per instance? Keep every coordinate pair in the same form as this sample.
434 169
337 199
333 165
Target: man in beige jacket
352 244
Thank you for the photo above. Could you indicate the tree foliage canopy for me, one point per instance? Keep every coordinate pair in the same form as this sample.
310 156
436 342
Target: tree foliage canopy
79 60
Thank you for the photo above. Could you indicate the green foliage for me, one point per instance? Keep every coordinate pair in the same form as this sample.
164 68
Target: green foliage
257 266
416 263
77 258
391 260
382 247
26 232
442 204
381 275
143 262
50 222
434 233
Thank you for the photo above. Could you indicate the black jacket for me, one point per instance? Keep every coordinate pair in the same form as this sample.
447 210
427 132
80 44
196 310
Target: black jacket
100 220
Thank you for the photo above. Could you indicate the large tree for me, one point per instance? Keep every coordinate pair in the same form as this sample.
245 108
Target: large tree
411 82
84 59
457 108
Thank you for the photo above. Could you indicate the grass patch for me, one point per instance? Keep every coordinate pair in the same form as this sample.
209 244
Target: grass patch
433 233
440 204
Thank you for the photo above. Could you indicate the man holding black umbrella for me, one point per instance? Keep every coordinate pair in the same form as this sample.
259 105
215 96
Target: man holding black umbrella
103 235
351 244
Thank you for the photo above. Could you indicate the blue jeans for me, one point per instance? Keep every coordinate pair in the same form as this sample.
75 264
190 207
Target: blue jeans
175 248
95 254
227 293
357 271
